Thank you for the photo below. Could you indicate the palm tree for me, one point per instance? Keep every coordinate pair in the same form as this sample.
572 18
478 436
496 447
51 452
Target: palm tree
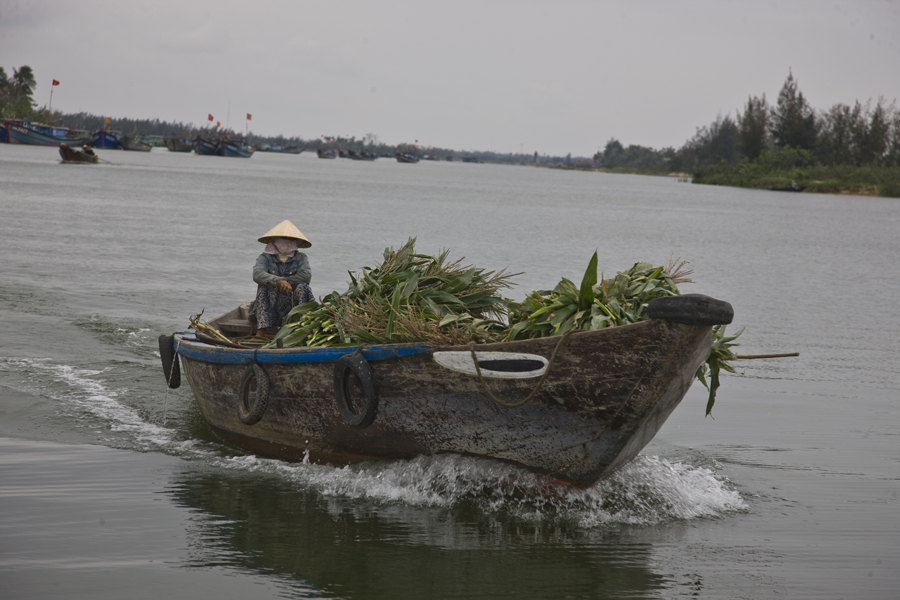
16 92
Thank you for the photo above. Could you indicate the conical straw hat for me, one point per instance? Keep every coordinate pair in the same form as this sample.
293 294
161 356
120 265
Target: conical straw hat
286 229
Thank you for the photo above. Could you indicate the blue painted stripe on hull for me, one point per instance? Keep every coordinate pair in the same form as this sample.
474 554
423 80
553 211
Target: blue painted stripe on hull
23 135
237 356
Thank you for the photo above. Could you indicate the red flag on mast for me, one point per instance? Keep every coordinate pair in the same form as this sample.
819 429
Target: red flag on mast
249 117
210 117
55 82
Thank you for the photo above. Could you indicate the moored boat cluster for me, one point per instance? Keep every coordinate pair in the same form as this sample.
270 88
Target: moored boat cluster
40 134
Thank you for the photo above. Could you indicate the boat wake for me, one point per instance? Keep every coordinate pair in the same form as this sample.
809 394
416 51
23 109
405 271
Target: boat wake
647 491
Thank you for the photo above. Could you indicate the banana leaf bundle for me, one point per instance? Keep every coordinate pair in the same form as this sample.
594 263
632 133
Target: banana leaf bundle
595 304
410 297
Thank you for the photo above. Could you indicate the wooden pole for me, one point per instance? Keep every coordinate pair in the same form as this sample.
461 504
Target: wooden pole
753 356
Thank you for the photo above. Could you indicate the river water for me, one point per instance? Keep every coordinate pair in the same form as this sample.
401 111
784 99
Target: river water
111 487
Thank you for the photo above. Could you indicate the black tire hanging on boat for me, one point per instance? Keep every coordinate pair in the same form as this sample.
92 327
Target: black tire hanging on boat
251 407
171 365
355 413
691 309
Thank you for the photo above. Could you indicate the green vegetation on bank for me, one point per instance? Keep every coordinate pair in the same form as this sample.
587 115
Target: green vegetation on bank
798 168
845 149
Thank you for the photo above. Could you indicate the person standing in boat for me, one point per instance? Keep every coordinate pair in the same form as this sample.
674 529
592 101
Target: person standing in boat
282 273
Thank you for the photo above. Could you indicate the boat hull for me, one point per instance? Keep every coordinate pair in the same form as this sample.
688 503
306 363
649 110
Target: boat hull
25 133
205 147
106 139
606 395
178 144
234 149
132 143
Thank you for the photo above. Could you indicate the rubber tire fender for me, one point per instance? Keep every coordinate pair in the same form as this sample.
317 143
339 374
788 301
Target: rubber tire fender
356 416
170 363
691 309
252 409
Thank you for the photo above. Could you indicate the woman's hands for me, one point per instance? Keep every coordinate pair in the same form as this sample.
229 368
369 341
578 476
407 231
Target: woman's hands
284 287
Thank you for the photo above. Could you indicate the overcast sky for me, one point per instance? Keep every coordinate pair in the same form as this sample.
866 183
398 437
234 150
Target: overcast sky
552 77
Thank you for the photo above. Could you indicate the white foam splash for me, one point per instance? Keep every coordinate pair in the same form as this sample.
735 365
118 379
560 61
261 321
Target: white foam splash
648 490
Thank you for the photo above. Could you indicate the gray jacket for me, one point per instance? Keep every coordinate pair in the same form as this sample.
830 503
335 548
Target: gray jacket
268 270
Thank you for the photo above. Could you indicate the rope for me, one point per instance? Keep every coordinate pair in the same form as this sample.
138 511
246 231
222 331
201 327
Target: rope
533 392
168 381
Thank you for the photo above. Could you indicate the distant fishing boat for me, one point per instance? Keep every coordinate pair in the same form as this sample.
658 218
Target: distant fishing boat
403 157
178 144
105 138
235 148
206 147
73 155
133 142
323 153
38 134
281 150
361 155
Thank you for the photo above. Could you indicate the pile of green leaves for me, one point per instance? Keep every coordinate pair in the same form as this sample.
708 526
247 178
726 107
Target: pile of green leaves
409 297
593 305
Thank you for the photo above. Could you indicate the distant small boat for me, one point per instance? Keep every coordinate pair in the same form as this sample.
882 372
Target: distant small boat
322 153
402 157
178 144
361 155
104 138
280 150
74 155
235 148
205 146
787 188
132 142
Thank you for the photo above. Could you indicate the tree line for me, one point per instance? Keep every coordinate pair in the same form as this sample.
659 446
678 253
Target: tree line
863 135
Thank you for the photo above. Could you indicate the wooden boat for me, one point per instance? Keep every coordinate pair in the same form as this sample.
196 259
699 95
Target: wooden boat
106 138
403 157
204 146
361 155
74 155
26 132
178 144
323 153
234 148
792 187
280 150
592 399
133 142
